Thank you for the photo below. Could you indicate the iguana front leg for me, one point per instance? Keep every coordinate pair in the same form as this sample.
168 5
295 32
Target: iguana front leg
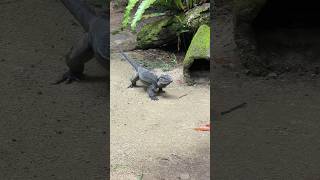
79 55
161 90
151 92
134 81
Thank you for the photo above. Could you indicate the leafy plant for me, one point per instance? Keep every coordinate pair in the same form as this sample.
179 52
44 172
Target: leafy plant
127 13
176 5
141 9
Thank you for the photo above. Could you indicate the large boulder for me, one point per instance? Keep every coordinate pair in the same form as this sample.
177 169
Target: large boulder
167 29
199 49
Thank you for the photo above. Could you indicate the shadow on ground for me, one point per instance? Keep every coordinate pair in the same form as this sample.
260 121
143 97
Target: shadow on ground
47 131
275 136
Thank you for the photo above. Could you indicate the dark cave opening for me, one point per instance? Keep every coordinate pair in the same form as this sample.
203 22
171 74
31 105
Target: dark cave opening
185 40
200 69
287 13
287 34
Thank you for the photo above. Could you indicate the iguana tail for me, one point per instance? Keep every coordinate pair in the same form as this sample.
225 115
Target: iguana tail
81 11
133 64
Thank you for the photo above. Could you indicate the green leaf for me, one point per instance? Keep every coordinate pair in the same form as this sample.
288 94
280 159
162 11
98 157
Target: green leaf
179 4
138 15
126 16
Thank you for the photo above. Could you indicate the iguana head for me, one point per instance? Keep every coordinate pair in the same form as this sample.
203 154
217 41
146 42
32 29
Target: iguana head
164 80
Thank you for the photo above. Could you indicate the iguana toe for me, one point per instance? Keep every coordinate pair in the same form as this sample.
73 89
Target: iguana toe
131 86
69 77
154 98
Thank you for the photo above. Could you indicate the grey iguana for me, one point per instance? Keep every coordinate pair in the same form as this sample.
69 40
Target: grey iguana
155 84
93 43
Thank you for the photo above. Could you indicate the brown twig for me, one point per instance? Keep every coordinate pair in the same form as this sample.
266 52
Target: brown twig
234 108
182 96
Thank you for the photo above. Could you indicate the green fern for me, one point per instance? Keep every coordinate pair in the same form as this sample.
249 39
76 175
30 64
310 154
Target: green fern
180 5
138 15
127 13
189 3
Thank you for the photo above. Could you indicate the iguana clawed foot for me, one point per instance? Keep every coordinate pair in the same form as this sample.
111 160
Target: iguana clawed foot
154 98
69 77
161 91
131 86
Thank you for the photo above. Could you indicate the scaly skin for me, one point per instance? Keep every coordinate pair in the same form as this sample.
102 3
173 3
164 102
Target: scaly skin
92 44
155 84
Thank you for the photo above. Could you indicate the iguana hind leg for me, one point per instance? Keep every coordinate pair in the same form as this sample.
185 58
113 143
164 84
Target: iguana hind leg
134 81
79 55
161 91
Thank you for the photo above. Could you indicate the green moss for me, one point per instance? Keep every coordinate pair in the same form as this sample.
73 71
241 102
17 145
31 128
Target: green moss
150 32
199 47
198 16
168 29
160 30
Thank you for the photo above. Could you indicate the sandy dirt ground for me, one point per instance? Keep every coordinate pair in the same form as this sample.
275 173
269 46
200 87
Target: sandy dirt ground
47 132
276 136
156 138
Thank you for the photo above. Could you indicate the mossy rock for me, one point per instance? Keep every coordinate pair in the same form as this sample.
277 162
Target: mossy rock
198 16
198 49
159 32
167 29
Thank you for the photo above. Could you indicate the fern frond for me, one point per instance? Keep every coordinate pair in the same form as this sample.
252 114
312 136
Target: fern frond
190 3
179 4
126 16
138 15
146 16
